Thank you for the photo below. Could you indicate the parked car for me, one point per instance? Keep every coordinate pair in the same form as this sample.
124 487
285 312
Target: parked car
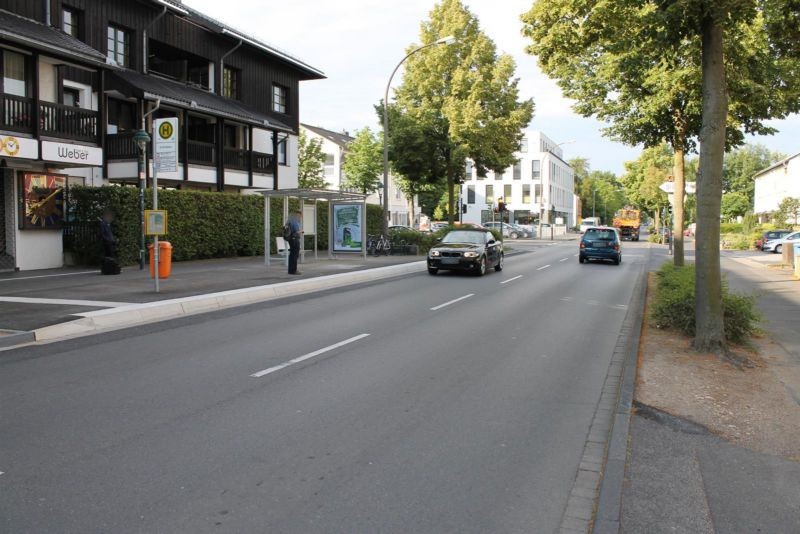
776 245
469 250
771 235
402 228
522 231
434 227
600 243
510 231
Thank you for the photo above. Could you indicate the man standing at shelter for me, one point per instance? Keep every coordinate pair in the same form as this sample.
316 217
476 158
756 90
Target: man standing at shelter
295 240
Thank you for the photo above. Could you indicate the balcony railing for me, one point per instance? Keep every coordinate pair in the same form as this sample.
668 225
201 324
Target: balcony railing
262 162
235 158
69 122
17 113
202 153
121 146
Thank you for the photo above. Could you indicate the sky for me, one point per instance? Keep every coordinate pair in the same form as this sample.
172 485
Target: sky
357 43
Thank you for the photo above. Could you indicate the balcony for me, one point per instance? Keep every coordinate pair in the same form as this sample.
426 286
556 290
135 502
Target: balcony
202 153
55 120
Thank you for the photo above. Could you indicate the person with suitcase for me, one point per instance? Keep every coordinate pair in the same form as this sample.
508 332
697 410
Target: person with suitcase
109 242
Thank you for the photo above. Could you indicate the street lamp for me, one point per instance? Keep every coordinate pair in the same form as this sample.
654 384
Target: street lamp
379 185
443 41
142 139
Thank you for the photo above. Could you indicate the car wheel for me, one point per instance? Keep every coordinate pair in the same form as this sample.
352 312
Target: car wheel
581 259
617 260
499 266
513 235
777 249
432 270
482 266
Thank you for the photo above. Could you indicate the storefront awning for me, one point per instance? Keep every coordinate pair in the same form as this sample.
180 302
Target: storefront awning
149 87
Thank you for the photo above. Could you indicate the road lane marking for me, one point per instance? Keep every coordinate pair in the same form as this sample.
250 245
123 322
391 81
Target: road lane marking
15 278
309 355
566 299
542 268
563 259
66 302
448 303
511 279
576 255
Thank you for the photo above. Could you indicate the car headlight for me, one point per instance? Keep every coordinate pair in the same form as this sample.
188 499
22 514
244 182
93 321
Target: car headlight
435 253
470 254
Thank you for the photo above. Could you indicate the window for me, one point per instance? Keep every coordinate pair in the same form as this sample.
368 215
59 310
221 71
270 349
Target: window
230 83
71 22
199 75
523 145
330 166
518 170
230 136
119 46
490 194
536 169
468 170
537 193
526 193
497 175
15 79
282 151
470 194
121 116
72 97
279 98
507 193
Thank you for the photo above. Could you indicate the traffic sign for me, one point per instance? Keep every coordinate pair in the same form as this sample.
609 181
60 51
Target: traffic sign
669 187
166 147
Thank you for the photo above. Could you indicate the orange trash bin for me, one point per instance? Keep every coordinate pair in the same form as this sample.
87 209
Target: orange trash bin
164 260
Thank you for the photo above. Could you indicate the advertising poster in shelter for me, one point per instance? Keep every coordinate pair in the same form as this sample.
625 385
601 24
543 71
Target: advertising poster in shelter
42 201
347 221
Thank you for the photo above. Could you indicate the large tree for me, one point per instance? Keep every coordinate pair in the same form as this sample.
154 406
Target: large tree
643 177
363 165
463 98
656 71
311 163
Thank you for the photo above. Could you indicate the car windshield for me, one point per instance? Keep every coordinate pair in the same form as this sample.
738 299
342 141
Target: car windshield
462 236
600 235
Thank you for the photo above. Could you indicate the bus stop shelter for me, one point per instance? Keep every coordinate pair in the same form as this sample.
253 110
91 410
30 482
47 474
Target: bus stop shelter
338 201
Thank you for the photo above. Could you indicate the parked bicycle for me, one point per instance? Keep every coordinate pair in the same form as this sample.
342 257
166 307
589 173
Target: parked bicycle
378 244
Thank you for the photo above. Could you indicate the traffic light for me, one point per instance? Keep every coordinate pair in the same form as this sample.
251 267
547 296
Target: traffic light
463 208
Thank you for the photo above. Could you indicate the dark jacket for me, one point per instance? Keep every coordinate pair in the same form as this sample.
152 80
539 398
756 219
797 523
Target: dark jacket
106 235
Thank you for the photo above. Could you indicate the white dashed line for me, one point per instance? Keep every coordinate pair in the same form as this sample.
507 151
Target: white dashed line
308 356
563 259
448 303
511 279
542 268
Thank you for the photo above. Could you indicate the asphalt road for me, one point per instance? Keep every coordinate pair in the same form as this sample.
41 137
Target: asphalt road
468 418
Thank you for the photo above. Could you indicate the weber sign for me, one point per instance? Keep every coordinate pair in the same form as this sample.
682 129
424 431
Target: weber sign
166 148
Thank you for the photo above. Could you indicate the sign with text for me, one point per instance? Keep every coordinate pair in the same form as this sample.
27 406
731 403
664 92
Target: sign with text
347 224
669 187
86 156
165 147
155 222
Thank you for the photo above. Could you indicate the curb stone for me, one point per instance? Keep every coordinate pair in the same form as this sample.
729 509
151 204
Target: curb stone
595 499
139 314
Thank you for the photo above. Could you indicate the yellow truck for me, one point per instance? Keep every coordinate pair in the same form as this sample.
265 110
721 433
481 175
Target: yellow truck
628 221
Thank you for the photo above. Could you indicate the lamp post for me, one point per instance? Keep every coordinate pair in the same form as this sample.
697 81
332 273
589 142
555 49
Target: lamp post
142 139
443 41
379 186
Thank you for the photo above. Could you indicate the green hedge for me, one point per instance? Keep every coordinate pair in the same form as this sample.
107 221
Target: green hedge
673 305
201 225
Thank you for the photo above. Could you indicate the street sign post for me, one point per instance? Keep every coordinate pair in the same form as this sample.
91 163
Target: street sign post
165 163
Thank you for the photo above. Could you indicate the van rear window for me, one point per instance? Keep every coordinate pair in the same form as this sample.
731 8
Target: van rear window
600 235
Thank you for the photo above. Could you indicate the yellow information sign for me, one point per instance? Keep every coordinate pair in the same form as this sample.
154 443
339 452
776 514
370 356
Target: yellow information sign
155 222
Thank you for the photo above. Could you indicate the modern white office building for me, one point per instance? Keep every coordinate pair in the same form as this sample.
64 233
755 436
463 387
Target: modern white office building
538 188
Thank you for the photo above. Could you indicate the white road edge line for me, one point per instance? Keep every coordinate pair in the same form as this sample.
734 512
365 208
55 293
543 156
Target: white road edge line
309 355
449 302
511 279
542 268
14 279
66 302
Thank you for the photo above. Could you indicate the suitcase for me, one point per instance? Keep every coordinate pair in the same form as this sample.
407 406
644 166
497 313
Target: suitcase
110 266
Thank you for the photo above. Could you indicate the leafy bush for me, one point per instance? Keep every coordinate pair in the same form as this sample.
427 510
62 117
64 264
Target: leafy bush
201 224
736 241
731 228
673 305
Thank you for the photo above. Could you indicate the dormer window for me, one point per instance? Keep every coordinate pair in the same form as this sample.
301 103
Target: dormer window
71 22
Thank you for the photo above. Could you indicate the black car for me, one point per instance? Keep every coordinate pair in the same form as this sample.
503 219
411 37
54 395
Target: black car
600 243
471 250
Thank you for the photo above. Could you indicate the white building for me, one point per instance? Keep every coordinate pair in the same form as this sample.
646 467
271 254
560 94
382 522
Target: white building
775 183
538 188
335 147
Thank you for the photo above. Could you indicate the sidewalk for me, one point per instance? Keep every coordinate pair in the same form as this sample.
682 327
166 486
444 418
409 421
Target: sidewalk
681 477
34 299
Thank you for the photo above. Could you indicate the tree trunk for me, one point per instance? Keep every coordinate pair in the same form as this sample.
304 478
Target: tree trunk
412 216
710 335
678 199
658 222
451 210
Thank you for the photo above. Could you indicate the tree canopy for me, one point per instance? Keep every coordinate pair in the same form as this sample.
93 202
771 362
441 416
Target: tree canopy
311 163
460 100
742 164
363 165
